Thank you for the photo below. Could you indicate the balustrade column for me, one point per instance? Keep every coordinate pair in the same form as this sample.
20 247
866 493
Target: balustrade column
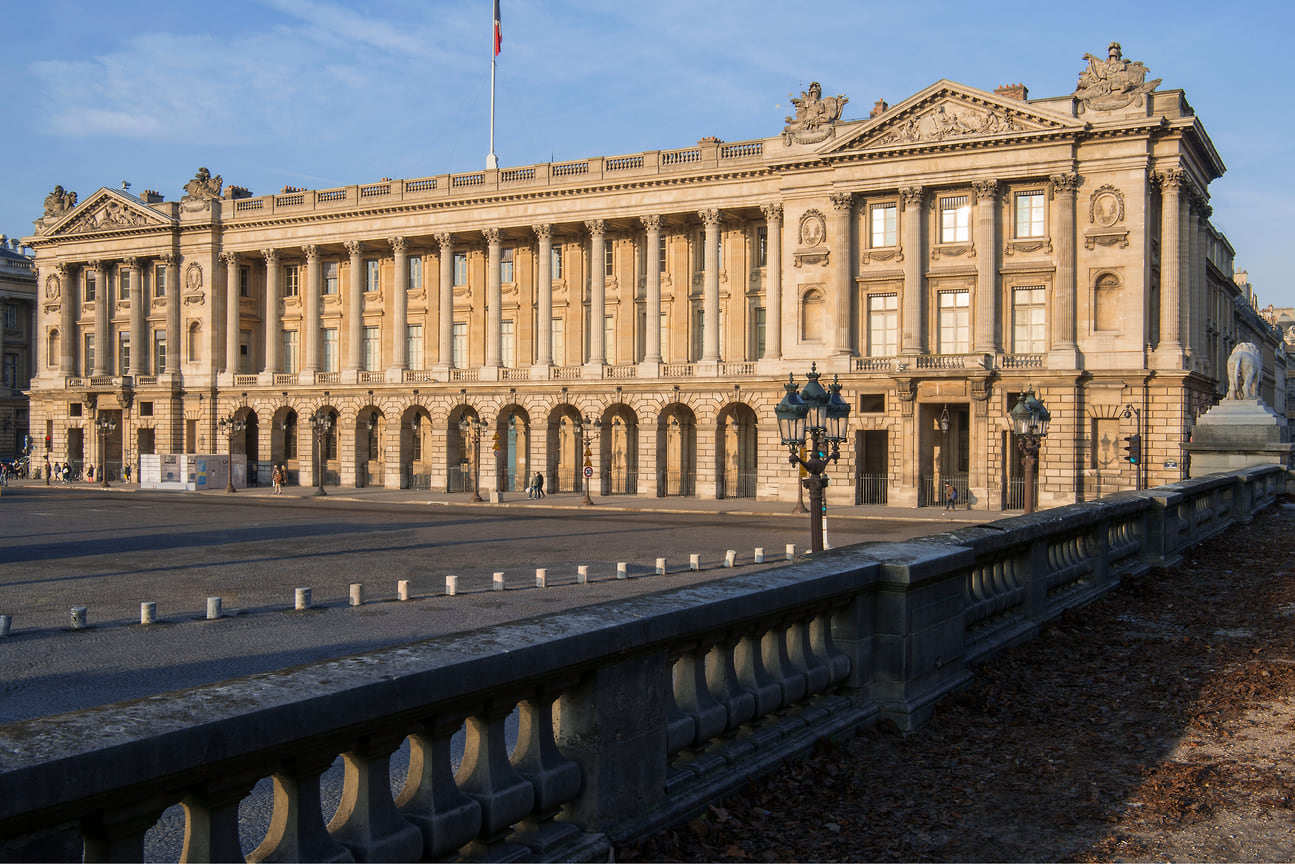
366 821
494 297
67 318
597 292
232 312
544 346
400 306
445 312
1063 307
430 798
842 282
310 307
174 336
652 262
138 319
987 293
211 819
354 308
102 303
1170 350
773 282
297 831
710 286
913 340
487 777
272 321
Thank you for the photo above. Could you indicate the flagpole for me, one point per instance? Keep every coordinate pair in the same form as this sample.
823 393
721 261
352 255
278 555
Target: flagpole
492 161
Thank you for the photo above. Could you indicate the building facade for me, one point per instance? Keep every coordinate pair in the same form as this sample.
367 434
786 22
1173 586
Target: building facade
17 328
635 317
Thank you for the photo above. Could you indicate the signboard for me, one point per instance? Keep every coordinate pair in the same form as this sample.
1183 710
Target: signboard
589 471
1170 463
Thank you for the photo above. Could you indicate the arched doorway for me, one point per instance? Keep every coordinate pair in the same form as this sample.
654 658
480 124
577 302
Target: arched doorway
283 444
325 452
415 449
618 451
735 452
676 452
513 426
564 449
462 450
370 425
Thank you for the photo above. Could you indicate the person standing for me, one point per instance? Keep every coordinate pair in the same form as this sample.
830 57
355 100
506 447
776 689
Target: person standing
950 496
539 485
276 478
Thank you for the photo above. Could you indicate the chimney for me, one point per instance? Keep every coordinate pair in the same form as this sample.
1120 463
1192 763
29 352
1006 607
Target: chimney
148 196
878 109
1018 92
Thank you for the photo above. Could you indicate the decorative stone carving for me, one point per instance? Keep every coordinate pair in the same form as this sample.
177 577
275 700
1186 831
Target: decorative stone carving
1106 206
492 235
229 259
772 212
52 290
1113 83
906 390
271 257
842 201
1245 364
193 284
353 248
815 118
544 232
200 191
57 205
1064 184
110 214
1014 246
911 196
939 123
813 229
595 226
981 389
953 249
398 244
986 190
311 252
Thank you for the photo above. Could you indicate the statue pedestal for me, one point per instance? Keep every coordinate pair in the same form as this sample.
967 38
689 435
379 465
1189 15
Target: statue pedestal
1238 433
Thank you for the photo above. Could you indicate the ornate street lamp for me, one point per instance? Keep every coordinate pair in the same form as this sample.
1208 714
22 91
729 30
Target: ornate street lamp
1030 418
823 418
233 427
106 426
588 430
322 422
472 428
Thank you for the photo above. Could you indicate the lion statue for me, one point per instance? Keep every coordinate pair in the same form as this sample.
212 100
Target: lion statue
1244 365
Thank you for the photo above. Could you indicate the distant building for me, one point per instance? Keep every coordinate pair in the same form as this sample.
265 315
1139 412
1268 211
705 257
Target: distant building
17 341
941 256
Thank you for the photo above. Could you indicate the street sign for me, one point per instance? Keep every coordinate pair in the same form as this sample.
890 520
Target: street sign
589 471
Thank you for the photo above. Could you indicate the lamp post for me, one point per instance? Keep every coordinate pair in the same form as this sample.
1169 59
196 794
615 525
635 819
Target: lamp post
1030 418
106 426
232 426
471 427
824 418
588 430
322 423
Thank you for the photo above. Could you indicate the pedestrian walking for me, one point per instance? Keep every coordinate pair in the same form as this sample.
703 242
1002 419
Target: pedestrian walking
47 470
950 497
539 485
89 474
276 477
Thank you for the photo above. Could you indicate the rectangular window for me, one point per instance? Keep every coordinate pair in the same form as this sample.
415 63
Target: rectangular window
955 220
291 280
159 280
370 275
414 345
761 246
558 334
609 260
955 322
557 262
330 350
245 351
883 325
330 277
88 355
372 349
661 253
459 345
506 266
415 282
10 379
665 337
609 338
123 353
507 344
460 269
90 287
244 281
159 352
1029 214
288 360
123 283
1029 320
11 316
761 315
885 225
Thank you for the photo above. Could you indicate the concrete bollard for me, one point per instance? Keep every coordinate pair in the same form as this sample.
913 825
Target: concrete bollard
694 561
660 566
213 608
499 582
582 574
79 616
6 621
730 558
148 613
357 593
622 570
759 554
402 589
541 577
791 551
451 586
301 599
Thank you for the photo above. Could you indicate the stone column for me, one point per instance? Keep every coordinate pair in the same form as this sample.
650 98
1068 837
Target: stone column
597 291
139 347
272 324
232 316
773 283
67 318
1169 353
102 303
710 286
913 338
445 312
544 292
174 335
310 312
843 209
354 353
986 339
400 307
652 266
1200 270
1064 353
494 297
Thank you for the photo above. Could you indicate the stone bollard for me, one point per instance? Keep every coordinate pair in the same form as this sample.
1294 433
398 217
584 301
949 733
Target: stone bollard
759 554
301 599
694 561
402 589
541 577
582 574
79 616
622 570
660 566
730 558
791 551
148 613
451 586
357 593
213 608
6 621
499 582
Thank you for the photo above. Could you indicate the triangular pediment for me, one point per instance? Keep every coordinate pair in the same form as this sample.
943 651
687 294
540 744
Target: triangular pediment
108 210
946 112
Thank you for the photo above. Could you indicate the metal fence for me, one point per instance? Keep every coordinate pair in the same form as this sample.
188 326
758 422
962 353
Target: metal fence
871 488
458 478
739 485
620 483
930 490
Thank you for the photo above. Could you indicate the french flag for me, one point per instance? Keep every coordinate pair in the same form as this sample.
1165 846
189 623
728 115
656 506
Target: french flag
499 32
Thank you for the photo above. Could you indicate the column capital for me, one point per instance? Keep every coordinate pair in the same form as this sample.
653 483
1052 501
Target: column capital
492 235
986 190
595 227
444 239
1170 179
170 259
1064 184
63 268
543 232
132 261
651 223
271 256
772 212
353 247
911 196
710 217
95 264
312 253
398 244
842 201
229 259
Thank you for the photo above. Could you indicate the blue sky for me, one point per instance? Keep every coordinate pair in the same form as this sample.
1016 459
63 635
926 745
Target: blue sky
315 93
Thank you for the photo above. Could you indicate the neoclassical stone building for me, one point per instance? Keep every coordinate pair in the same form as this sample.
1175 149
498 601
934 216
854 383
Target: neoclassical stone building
17 326
940 256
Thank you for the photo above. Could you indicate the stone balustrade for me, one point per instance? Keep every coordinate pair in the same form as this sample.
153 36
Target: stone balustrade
633 715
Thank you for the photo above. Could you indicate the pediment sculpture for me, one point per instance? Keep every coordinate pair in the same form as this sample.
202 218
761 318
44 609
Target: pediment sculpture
1113 83
110 214
950 120
815 116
